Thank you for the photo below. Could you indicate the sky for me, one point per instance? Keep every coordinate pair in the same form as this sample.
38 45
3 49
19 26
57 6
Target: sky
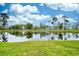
36 13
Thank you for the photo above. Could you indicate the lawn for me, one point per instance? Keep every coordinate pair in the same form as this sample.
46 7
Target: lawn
40 48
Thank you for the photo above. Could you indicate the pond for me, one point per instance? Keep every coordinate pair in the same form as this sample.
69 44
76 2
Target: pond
24 36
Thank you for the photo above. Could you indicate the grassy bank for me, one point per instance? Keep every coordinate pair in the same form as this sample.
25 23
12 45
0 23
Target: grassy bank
62 31
40 48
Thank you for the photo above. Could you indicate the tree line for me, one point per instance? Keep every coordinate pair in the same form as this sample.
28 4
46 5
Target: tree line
60 26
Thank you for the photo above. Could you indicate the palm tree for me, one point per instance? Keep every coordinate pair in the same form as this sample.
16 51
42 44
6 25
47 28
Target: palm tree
54 20
49 21
62 25
64 22
4 18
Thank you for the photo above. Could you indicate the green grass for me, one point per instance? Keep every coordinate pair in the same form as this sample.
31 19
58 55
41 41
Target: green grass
19 30
40 48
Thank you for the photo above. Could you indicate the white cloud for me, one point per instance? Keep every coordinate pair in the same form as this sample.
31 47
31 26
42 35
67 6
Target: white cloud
30 8
49 24
33 19
25 14
2 4
64 6
5 11
38 17
18 8
60 19
41 4
18 20
71 20
24 19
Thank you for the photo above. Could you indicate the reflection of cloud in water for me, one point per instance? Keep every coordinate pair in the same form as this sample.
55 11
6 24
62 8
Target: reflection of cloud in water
37 37
13 38
52 36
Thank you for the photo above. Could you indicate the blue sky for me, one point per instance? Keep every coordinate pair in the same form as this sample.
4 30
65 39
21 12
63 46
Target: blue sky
37 13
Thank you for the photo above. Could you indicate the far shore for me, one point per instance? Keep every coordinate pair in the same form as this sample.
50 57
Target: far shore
40 30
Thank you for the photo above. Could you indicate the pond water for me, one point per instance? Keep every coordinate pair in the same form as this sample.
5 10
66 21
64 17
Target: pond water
21 37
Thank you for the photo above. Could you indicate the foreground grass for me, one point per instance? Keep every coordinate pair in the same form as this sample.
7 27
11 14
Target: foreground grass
40 48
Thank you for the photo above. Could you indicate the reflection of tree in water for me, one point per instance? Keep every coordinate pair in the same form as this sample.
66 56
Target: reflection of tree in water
43 34
29 35
17 33
60 36
4 37
65 36
52 38
36 33
69 35
76 35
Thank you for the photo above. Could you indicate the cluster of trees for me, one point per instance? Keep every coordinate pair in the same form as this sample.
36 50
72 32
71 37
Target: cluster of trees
29 26
63 25
60 26
22 26
3 18
42 26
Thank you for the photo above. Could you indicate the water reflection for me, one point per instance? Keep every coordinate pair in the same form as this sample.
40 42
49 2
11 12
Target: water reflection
29 35
4 37
20 37
43 34
60 36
